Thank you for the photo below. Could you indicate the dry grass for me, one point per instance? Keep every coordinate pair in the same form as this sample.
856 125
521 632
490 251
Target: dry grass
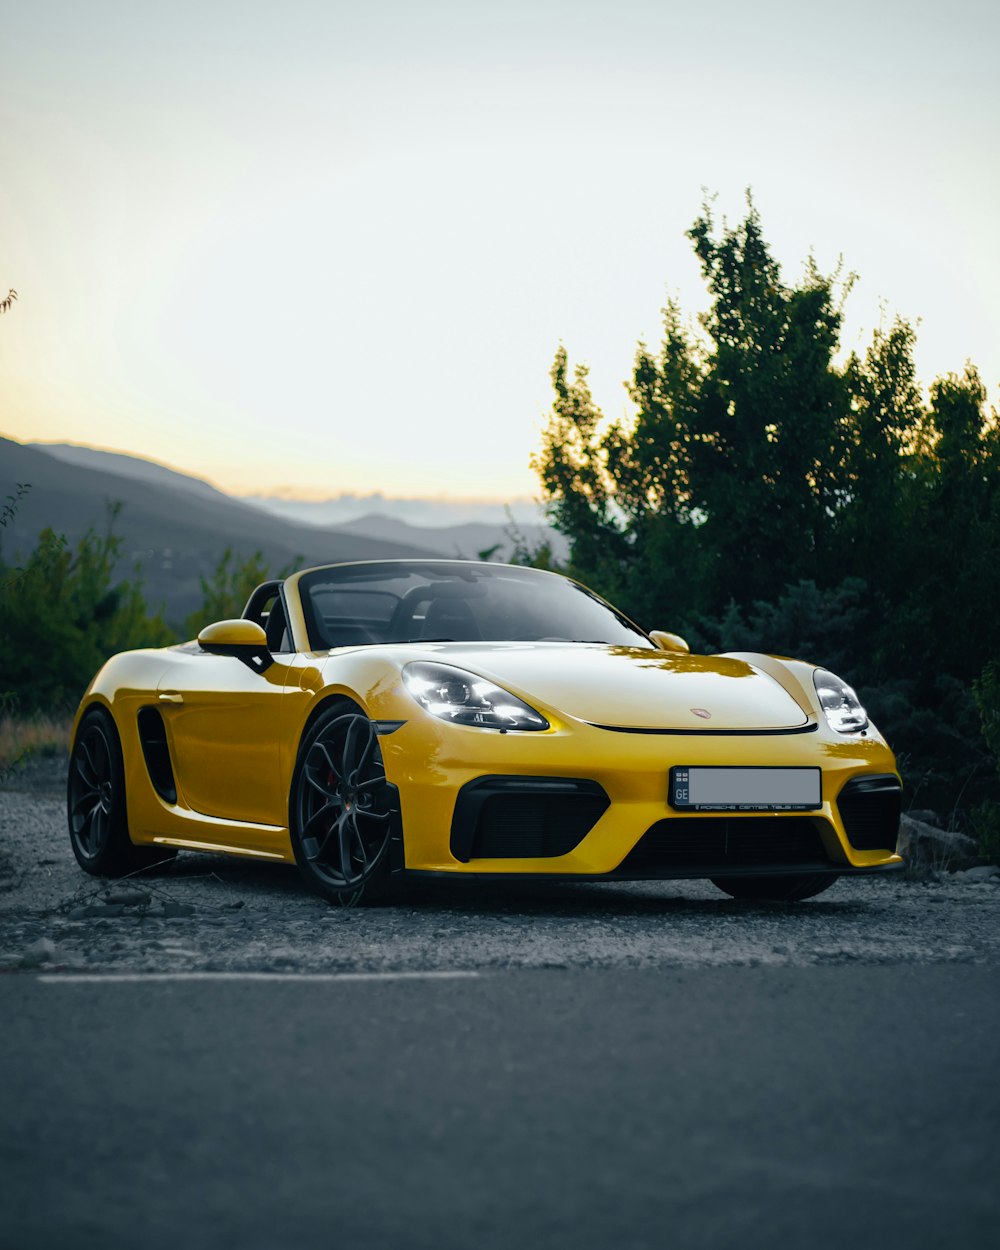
24 736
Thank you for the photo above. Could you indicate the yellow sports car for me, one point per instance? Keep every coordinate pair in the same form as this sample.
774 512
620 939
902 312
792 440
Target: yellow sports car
370 721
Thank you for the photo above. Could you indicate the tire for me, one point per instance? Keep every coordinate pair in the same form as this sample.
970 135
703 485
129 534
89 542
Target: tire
774 889
344 814
96 808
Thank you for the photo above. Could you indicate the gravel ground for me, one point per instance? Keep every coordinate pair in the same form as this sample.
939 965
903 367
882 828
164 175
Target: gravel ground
219 913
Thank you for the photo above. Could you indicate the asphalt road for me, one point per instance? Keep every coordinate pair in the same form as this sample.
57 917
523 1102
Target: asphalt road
224 1060
839 1106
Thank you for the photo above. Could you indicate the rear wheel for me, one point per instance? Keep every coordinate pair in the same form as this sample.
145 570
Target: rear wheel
774 889
96 805
344 813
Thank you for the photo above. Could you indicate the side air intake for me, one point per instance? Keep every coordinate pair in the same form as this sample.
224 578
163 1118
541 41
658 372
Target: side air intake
156 753
870 808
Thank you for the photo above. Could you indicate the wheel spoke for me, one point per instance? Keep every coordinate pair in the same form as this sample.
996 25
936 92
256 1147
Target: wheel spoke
84 825
321 842
334 802
381 817
102 761
345 827
319 785
86 796
95 832
325 752
87 770
334 837
371 784
361 846
350 747
365 756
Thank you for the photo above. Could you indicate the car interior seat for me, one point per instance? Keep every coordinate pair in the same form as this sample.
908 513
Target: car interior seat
450 618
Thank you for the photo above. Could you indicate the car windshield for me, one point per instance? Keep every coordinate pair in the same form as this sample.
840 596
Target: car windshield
454 601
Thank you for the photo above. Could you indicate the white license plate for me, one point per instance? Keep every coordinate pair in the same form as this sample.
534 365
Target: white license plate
704 789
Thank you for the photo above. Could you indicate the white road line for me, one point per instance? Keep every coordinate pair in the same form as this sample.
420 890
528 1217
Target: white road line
112 978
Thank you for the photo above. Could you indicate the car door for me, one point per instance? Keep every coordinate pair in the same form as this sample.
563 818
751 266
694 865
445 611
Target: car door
224 724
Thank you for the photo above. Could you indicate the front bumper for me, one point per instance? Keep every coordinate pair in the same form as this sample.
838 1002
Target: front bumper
431 762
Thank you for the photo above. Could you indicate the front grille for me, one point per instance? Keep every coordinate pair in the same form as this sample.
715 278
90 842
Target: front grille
534 825
715 843
524 817
870 808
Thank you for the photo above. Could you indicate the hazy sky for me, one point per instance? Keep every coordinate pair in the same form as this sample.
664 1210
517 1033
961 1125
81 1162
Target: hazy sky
334 247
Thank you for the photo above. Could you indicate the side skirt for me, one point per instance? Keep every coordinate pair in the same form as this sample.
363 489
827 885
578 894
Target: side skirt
680 874
185 844
193 831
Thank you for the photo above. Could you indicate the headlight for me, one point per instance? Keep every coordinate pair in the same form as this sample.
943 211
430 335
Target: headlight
840 704
465 699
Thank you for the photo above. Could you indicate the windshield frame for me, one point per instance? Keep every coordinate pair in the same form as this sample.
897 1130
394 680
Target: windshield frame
355 570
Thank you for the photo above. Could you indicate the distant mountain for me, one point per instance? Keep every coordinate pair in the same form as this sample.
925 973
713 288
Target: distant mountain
174 527
128 466
464 541
448 527
421 513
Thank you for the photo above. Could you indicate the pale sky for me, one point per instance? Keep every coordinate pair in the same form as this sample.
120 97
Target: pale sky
334 247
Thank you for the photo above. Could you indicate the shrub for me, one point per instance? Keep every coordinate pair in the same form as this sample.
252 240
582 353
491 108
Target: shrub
986 817
65 613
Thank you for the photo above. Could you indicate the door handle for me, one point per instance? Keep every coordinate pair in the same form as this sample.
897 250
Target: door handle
171 696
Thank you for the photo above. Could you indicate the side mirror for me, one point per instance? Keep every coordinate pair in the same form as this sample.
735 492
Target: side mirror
668 642
243 639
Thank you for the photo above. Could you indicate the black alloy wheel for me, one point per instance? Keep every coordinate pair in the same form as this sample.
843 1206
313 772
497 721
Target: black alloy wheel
775 889
344 811
96 804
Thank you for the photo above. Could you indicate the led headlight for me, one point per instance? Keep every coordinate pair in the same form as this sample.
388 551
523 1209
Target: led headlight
840 704
465 699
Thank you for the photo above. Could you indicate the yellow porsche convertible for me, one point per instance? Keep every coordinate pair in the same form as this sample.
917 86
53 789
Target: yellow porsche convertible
370 721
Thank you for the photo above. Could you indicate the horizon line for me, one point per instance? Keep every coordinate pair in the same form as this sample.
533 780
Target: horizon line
284 492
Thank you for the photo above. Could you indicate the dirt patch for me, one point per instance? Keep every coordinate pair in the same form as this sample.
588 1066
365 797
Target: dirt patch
215 912
37 773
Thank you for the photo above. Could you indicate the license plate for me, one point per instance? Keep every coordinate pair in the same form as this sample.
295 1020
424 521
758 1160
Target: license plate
702 789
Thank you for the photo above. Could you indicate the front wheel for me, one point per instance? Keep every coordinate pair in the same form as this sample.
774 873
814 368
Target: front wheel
774 889
344 813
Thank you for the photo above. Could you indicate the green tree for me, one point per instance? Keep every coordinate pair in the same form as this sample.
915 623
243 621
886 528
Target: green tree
764 496
959 535
226 591
572 464
771 436
986 818
887 431
65 613
729 470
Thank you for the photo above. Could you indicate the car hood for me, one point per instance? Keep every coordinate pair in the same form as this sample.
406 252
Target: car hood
632 688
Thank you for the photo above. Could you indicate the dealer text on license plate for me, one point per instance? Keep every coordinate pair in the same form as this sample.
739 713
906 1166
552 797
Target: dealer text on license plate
732 789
